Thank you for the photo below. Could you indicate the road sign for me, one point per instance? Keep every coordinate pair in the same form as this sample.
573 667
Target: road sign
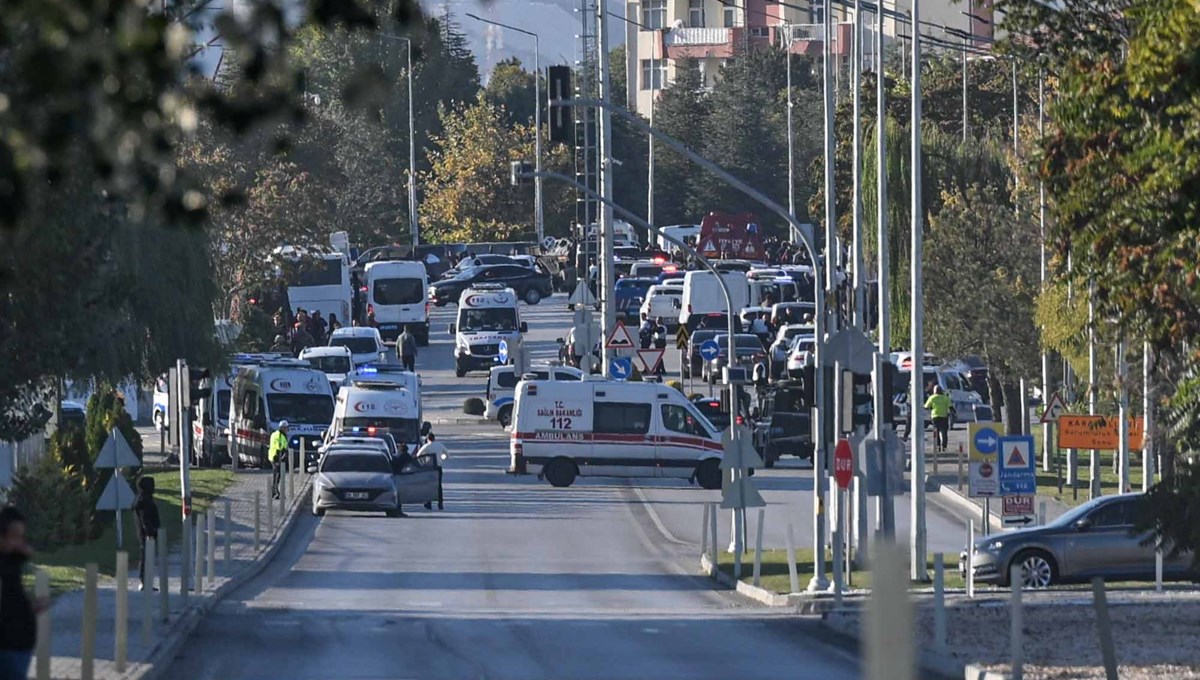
582 295
651 359
117 494
681 337
620 338
1017 466
1054 408
983 468
843 464
620 368
1018 511
740 453
709 349
740 494
502 354
1096 432
116 452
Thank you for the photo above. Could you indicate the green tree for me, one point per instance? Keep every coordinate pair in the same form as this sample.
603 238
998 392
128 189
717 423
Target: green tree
681 112
512 88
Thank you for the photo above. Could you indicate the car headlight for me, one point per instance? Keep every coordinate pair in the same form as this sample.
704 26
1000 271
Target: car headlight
993 546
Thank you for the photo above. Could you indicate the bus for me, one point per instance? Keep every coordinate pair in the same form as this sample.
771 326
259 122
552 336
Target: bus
317 282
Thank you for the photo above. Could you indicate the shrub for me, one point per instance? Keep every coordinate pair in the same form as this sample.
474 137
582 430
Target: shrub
56 497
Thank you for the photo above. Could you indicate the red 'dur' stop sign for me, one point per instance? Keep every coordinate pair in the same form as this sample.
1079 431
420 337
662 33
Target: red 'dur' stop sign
843 464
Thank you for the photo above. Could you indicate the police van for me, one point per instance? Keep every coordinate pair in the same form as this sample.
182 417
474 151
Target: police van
502 382
487 315
273 390
380 399
563 430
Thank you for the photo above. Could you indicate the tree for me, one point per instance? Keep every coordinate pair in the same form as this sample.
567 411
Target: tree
680 111
468 196
512 88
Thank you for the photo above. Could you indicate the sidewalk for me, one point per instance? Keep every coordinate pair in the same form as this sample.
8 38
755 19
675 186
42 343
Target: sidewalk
146 660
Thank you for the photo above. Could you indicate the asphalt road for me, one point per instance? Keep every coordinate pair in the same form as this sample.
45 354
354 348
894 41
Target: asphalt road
514 579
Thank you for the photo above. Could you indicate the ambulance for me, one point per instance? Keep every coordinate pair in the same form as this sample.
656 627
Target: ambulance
487 315
600 428
210 426
273 390
379 399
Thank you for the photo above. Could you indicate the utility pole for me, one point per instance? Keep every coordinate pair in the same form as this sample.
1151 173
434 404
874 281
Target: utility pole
1148 462
650 161
412 154
605 227
886 510
1094 460
917 398
791 166
856 85
1046 429
1123 416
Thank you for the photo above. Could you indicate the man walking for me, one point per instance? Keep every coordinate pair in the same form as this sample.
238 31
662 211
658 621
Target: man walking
939 411
436 452
146 511
406 347
276 454
18 615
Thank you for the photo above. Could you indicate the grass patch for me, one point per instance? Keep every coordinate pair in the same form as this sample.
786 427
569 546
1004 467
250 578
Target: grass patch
1047 482
67 565
775 571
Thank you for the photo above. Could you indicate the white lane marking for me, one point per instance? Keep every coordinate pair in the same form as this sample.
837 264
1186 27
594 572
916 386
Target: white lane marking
662 528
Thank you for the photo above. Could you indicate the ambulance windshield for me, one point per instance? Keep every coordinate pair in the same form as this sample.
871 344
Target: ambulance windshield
488 319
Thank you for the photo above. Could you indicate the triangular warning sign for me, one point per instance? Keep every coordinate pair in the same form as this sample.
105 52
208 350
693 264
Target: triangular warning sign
619 338
709 247
1015 459
1054 408
651 359
116 495
116 452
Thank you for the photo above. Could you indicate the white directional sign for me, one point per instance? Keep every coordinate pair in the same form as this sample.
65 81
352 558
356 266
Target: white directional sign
117 494
739 454
116 452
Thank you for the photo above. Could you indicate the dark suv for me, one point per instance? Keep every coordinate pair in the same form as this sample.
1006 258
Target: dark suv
783 424
530 285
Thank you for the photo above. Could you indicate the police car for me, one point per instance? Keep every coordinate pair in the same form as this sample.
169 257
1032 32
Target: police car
487 315
502 381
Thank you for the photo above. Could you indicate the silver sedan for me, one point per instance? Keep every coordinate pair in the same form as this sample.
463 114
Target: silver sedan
355 480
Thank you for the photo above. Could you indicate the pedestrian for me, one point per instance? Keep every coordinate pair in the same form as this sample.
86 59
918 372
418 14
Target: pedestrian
276 455
145 510
18 614
436 452
281 345
939 411
334 324
406 347
371 322
301 338
316 326
645 331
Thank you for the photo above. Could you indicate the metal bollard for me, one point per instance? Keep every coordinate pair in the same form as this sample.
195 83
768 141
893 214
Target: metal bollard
961 457
270 511
971 558
793 578
303 467
211 529
1041 517
87 648
712 537
164 577
287 474
1015 637
41 590
838 575
889 651
704 532
149 562
939 602
758 549
185 560
257 519
121 612
282 497
228 535
198 555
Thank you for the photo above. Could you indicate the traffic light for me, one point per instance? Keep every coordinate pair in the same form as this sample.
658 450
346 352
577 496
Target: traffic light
861 400
199 384
891 375
562 118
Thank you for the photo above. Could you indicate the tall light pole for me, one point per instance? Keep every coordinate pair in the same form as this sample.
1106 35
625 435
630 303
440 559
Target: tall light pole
605 226
1046 430
412 144
538 211
886 511
856 214
916 400
790 135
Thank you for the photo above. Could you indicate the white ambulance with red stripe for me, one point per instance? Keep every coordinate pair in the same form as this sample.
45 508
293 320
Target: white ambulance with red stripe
273 390
600 428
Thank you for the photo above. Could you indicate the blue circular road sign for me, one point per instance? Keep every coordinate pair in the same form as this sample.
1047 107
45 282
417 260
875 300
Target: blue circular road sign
986 440
620 368
502 355
709 350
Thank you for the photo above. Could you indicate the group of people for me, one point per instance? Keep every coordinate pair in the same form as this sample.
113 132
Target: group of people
307 330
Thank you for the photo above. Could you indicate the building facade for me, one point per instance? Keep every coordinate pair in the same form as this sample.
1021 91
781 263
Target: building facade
660 32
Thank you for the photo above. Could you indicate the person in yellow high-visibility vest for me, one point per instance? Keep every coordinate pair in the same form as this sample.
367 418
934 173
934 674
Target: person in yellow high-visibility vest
939 411
276 453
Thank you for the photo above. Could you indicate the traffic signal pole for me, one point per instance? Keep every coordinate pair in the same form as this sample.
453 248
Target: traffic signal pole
608 311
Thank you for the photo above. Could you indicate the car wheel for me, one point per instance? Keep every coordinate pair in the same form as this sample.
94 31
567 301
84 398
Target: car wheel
319 512
561 472
533 296
708 474
505 416
1037 569
768 462
393 513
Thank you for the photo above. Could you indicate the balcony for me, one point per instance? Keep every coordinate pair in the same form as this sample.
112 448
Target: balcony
808 39
705 42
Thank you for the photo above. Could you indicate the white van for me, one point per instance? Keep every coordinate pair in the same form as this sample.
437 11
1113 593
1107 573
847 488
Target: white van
612 429
273 390
397 292
365 343
683 232
487 314
702 295
623 234
334 361
391 404
663 301
966 405
502 383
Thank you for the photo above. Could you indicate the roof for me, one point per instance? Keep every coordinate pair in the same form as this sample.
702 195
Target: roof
354 332
325 351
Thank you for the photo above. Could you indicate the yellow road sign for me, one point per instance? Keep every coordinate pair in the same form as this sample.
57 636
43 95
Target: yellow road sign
681 337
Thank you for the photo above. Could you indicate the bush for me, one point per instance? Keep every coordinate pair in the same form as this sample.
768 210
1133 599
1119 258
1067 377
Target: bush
55 496
474 406
106 410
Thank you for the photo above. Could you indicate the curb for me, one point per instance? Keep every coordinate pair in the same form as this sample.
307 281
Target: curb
803 603
950 495
974 672
154 666
476 420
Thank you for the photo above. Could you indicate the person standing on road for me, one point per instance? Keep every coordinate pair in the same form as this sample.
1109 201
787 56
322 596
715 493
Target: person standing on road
276 454
406 347
18 614
281 345
436 451
146 512
316 327
939 411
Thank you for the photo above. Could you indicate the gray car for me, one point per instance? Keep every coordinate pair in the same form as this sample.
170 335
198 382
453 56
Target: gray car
355 480
1095 539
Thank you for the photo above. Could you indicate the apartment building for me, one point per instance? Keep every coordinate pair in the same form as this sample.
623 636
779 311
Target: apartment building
660 32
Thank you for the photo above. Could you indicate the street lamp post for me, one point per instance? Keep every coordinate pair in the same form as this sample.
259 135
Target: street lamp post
916 399
412 144
538 213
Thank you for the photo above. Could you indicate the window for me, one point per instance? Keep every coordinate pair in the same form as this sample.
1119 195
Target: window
730 12
696 13
399 291
355 462
759 31
563 375
315 273
621 418
678 419
654 14
654 74
355 345
1117 514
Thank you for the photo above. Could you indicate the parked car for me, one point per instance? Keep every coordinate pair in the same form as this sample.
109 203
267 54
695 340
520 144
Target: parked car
694 362
1097 538
748 350
629 294
530 285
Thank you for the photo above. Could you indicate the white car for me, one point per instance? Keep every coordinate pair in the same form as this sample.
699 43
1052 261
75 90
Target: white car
334 362
364 342
800 354
784 338
662 302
